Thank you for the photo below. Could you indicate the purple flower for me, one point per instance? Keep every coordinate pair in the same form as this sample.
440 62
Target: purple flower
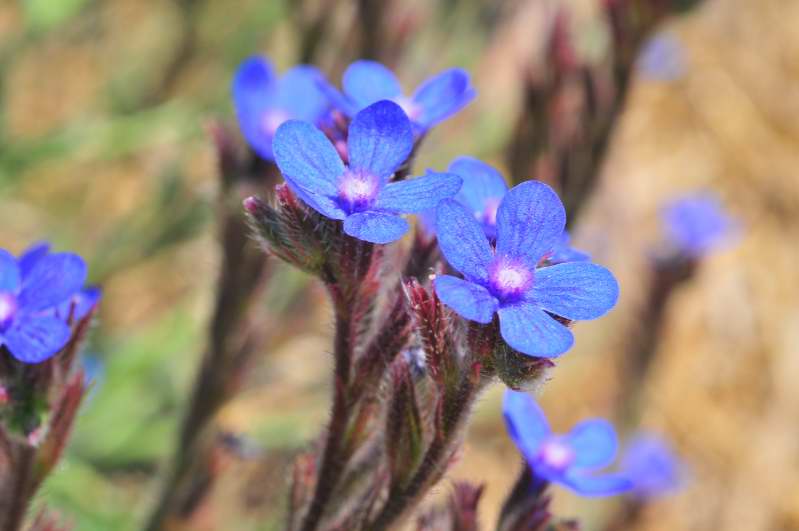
697 224
505 279
438 98
360 194
651 466
31 291
263 101
572 460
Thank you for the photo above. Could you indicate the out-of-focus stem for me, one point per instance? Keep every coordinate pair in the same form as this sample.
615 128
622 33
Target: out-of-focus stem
14 504
332 463
231 343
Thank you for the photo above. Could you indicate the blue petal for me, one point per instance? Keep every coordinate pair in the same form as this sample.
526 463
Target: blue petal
253 81
380 139
84 302
530 221
34 339
54 279
651 466
442 96
299 94
375 227
366 82
9 272
481 183
31 257
594 443
253 95
575 290
531 331
418 194
526 422
603 485
323 204
462 241
469 300
307 159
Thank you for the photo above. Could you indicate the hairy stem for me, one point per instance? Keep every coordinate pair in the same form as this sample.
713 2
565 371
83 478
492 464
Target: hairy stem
400 499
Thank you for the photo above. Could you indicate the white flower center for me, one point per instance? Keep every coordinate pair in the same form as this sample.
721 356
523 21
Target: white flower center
556 454
509 279
412 109
8 308
357 190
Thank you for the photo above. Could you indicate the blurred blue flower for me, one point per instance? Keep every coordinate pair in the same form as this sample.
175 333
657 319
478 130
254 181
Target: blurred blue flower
662 59
438 98
264 101
529 223
651 466
697 224
31 291
360 194
482 191
563 252
573 460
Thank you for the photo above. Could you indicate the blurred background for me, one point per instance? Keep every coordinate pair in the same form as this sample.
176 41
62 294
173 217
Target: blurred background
104 150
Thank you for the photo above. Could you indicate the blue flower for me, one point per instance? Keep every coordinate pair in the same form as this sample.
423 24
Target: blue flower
573 460
697 224
360 193
505 279
651 466
31 291
263 101
438 98
662 59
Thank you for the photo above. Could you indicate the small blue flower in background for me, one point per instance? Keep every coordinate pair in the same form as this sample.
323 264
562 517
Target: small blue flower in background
264 101
438 98
651 466
360 194
32 289
662 59
573 460
563 252
482 191
506 279
697 224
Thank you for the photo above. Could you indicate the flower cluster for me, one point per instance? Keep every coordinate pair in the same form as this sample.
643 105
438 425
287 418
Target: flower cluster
502 261
40 294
